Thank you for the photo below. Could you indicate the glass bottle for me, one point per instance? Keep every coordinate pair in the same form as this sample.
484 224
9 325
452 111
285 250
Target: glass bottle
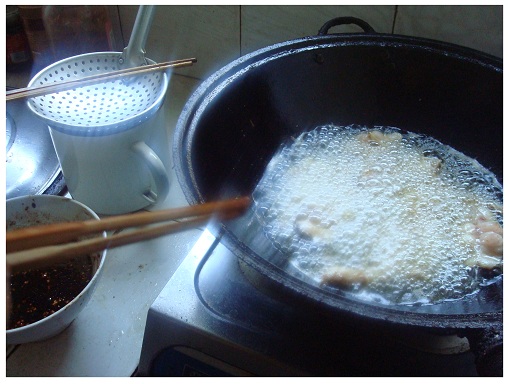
18 49
36 34
77 29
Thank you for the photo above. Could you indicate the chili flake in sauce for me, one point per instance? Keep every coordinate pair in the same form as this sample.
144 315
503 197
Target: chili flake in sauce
39 293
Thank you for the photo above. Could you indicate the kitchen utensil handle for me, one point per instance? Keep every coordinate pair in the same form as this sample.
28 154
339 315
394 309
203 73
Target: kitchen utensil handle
157 169
134 54
345 20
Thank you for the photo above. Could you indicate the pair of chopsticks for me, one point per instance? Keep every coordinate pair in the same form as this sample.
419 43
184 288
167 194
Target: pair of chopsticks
94 79
40 246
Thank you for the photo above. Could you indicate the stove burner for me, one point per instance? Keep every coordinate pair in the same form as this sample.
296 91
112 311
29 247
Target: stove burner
217 323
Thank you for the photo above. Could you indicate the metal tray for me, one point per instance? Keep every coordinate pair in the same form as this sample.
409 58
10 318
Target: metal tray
31 165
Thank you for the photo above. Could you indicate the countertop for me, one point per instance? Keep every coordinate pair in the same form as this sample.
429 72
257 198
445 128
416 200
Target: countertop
106 338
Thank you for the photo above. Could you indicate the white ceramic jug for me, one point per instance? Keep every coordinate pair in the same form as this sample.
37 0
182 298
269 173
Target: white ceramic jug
110 138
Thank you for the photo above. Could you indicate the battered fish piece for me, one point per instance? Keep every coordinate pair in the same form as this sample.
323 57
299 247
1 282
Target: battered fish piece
376 137
489 234
344 277
313 229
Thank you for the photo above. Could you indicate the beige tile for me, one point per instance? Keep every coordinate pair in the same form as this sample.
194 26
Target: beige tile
216 35
209 33
266 25
479 27
213 34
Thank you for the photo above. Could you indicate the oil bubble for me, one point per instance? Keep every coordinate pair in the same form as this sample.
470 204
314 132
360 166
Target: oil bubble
380 204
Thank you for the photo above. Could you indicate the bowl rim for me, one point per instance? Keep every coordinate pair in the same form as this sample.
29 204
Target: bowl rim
54 198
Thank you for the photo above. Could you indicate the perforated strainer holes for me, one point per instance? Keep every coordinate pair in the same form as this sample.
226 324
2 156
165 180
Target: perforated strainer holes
99 104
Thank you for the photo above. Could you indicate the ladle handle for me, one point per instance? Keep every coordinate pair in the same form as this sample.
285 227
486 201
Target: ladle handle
134 54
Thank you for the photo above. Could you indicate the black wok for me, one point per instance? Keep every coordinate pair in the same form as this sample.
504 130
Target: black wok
236 120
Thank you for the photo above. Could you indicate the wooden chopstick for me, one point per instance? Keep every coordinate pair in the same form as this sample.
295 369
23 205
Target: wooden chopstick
58 233
41 251
94 79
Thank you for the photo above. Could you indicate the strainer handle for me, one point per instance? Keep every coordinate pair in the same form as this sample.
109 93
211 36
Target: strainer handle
134 54
157 169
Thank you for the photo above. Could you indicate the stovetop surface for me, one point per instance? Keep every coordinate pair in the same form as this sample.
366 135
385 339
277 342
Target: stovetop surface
211 294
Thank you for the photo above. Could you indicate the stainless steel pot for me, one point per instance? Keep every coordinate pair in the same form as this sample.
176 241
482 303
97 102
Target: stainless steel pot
31 166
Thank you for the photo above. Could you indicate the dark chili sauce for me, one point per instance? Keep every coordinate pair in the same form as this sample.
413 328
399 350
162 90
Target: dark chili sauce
39 293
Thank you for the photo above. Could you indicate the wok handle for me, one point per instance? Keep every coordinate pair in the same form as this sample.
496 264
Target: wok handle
345 20
487 346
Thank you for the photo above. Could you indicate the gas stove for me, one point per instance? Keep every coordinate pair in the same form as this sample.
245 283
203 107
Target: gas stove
211 320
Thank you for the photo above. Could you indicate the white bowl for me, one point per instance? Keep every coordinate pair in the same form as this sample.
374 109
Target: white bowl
44 209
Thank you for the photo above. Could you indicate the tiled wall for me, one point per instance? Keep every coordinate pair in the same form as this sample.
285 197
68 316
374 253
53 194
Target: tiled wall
216 35
478 27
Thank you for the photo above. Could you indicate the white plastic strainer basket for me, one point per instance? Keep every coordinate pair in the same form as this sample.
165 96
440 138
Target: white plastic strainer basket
100 109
